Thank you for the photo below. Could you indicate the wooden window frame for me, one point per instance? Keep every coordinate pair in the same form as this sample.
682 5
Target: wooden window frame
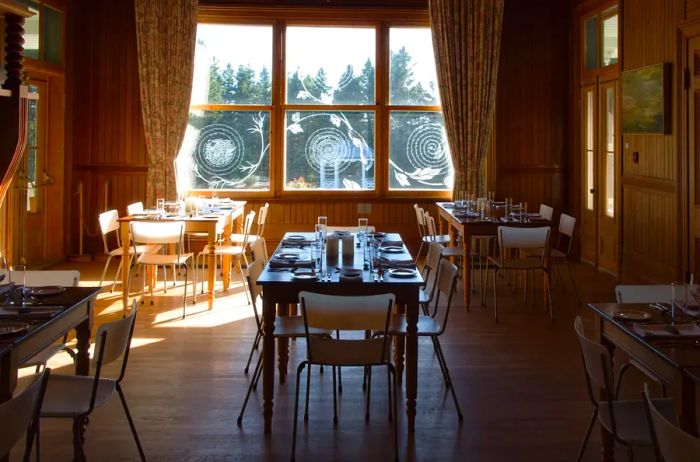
381 19
601 12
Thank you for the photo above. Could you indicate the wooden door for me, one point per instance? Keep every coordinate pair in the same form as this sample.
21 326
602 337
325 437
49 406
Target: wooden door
589 177
693 152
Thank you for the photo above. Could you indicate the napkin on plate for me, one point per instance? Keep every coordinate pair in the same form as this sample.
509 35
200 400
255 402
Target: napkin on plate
296 242
283 263
398 263
667 330
389 242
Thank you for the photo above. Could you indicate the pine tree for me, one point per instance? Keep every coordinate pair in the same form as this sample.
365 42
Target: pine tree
403 88
320 83
294 88
215 83
245 85
366 81
349 89
264 87
228 85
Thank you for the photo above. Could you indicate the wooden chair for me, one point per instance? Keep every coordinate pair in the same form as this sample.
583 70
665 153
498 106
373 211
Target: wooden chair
240 239
671 444
625 420
347 313
76 396
20 415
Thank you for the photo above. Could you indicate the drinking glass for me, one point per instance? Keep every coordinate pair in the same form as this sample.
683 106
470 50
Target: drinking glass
679 299
160 204
3 266
19 274
362 225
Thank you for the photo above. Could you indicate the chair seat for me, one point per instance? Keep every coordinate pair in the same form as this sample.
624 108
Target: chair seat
631 420
554 253
69 395
238 238
159 259
151 248
293 327
44 355
440 238
452 252
517 263
427 325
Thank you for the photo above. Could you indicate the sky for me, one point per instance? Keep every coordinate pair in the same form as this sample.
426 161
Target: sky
308 49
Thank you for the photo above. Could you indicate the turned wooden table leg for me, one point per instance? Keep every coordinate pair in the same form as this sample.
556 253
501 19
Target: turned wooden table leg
466 269
282 346
211 264
399 347
268 364
411 362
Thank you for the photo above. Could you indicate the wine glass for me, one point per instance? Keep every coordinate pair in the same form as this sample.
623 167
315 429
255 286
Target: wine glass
19 272
679 299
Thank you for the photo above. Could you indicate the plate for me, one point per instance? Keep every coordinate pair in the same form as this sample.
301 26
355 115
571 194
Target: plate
12 328
352 272
402 272
295 237
44 290
287 256
379 234
392 249
341 232
304 274
632 315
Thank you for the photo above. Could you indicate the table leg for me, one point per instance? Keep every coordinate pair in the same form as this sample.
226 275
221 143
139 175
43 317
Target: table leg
411 362
282 346
226 271
466 268
268 364
441 226
399 347
82 367
8 372
211 264
606 438
124 236
687 416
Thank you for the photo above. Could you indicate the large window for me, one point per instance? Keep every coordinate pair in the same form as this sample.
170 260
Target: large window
314 107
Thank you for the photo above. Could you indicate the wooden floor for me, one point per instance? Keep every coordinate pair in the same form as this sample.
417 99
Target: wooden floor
519 382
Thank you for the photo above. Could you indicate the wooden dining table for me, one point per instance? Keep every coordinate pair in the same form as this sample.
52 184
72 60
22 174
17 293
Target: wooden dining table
205 224
673 359
75 312
469 226
281 289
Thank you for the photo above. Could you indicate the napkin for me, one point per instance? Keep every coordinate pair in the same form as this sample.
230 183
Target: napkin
296 243
282 263
666 330
388 242
398 263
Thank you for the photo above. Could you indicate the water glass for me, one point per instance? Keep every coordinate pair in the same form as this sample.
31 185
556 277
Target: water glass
3 266
160 204
18 276
679 299
362 224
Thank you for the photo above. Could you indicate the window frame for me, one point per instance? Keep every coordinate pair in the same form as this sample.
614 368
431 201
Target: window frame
381 19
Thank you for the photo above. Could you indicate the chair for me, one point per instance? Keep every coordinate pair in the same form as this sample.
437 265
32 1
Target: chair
285 327
625 420
237 238
671 444
20 415
109 223
546 212
429 274
134 209
234 251
513 238
163 233
348 313
76 396
430 326
258 250
425 236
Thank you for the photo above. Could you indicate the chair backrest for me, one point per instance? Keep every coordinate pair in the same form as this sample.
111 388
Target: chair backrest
63 278
114 340
430 269
445 283
546 212
262 219
643 293
510 237
420 219
351 313
157 232
254 270
108 223
430 228
671 443
135 208
596 361
22 413
567 225
259 249
247 225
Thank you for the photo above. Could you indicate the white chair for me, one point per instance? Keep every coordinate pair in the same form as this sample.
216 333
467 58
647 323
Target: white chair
239 238
76 396
671 444
164 233
546 212
236 252
258 250
109 223
347 313
429 274
625 420
20 415
426 236
134 209
514 238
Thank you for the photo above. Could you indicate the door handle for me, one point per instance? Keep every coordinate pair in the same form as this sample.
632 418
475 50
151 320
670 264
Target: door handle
592 191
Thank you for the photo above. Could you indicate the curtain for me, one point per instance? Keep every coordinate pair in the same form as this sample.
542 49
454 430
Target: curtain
466 39
165 36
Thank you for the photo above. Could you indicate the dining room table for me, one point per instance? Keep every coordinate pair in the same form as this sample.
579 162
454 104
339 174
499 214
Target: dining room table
45 320
671 351
205 222
281 286
459 216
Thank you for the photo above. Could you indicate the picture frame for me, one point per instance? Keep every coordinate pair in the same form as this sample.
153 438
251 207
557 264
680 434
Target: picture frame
646 101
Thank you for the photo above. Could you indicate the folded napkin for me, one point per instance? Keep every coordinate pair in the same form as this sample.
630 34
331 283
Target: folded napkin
296 242
448 205
388 242
398 263
667 330
283 263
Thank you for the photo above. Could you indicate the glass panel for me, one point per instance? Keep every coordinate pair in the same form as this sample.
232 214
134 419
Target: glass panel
589 120
232 65
589 179
610 40
31 34
419 156
330 65
412 76
610 152
52 35
591 43
329 150
589 149
225 150
32 146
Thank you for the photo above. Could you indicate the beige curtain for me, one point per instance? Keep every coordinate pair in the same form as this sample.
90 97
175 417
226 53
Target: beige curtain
467 39
165 34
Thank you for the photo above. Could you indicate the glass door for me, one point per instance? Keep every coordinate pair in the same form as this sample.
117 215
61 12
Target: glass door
589 177
608 172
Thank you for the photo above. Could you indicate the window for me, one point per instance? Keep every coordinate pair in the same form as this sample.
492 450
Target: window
591 43
609 151
589 134
35 140
324 106
600 40
610 39
43 33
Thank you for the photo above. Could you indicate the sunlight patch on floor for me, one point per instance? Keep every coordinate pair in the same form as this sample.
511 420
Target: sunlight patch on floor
226 310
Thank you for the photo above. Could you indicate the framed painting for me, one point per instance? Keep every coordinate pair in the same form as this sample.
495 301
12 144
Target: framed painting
646 100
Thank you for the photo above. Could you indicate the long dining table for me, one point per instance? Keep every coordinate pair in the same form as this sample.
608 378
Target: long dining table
673 359
470 226
280 288
205 224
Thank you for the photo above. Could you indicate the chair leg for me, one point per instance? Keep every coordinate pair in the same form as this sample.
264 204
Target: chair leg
485 287
573 282
131 422
549 295
165 279
117 274
78 439
306 405
104 271
588 435
335 400
495 297
396 420
296 409
256 372
442 367
389 394
449 379
369 393
184 293
252 348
